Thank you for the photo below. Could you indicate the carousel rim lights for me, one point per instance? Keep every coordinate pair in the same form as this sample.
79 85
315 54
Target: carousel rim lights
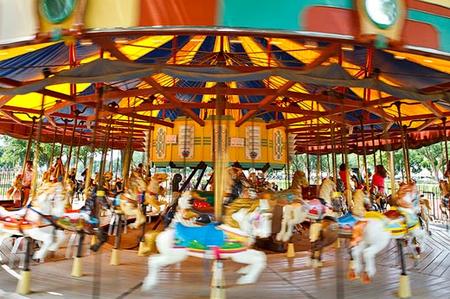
121 40
347 47
311 44
399 57
235 41
86 42
428 60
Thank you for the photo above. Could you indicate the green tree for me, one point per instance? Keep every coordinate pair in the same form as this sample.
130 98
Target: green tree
12 153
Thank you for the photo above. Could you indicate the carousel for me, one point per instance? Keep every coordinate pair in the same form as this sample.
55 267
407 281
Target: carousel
190 116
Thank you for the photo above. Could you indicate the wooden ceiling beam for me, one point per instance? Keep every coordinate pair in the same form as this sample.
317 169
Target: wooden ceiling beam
108 44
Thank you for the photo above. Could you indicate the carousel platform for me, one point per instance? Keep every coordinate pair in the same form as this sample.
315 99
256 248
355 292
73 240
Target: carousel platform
283 278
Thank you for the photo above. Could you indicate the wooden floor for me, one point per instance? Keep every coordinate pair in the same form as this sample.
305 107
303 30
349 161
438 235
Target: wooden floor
283 278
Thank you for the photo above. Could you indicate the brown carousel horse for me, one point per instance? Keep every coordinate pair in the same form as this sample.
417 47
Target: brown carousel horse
132 200
444 205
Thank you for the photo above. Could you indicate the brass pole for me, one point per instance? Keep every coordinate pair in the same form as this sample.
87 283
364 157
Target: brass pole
288 173
103 160
444 122
128 155
66 121
348 191
319 156
36 152
392 171
404 148
29 143
307 168
219 166
366 172
53 148
69 156
78 152
374 150
94 139
333 154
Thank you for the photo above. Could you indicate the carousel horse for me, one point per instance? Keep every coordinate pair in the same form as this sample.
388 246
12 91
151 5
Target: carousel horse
185 238
444 205
372 233
425 213
37 219
348 221
15 192
331 198
291 202
154 191
130 202
324 227
84 220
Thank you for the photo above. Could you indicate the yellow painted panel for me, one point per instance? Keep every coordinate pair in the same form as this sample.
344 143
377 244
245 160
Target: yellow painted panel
17 51
112 13
431 62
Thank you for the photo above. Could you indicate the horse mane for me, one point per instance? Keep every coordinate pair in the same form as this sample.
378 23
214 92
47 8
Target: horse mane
299 180
398 198
358 203
324 190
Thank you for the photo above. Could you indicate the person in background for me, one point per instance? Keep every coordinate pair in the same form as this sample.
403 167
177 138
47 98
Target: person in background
343 175
378 179
27 180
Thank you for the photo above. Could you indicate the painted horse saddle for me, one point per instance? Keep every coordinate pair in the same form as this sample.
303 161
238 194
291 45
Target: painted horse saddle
397 220
346 224
16 224
205 237
315 209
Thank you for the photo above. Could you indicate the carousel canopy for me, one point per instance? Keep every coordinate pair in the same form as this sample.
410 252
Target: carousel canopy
325 86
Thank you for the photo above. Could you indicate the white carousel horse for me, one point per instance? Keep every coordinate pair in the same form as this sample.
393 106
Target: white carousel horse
299 211
184 238
373 233
32 221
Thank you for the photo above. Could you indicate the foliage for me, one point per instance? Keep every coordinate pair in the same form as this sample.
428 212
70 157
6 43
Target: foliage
430 157
13 151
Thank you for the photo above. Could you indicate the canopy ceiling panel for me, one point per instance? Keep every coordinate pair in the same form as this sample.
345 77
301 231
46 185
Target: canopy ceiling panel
277 64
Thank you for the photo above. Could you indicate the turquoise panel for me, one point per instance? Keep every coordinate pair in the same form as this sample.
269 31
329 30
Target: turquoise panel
441 24
270 14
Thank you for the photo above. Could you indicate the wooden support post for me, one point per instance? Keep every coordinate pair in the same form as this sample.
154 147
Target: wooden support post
404 147
69 155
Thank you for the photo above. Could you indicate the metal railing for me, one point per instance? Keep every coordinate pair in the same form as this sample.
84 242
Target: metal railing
7 177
